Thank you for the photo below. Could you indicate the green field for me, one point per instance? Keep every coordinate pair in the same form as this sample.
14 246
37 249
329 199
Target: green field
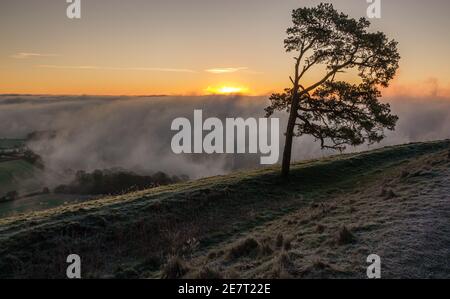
17 174
38 203
321 223
21 176
11 143
14 173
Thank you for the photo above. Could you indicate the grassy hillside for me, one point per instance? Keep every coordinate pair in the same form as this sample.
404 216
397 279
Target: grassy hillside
323 222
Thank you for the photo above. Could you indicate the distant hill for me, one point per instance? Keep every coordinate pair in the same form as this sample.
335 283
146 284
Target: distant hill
322 223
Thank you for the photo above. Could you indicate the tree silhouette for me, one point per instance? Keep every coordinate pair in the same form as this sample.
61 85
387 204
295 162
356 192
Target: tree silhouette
336 113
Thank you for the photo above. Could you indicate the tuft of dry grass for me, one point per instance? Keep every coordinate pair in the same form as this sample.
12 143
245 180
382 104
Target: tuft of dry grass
265 247
345 236
391 194
245 248
212 255
320 265
175 268
320 228
388 193
279 240
287 244
205 272
281 267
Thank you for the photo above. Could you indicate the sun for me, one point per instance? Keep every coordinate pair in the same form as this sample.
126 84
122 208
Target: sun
227 90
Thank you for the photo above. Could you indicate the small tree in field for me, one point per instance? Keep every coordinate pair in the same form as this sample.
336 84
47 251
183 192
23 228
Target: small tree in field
336 113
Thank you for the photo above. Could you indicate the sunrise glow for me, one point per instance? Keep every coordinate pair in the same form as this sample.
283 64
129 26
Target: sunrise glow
227 90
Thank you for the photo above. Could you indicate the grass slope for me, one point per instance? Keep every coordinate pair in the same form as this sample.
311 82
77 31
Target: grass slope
392 201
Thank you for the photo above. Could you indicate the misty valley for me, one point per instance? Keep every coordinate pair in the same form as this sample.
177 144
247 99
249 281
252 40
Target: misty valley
50 158
23 189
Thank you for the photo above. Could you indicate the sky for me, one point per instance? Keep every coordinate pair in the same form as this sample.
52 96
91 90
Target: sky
196 47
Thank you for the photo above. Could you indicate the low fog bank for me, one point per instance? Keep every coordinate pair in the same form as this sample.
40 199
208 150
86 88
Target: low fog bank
134 132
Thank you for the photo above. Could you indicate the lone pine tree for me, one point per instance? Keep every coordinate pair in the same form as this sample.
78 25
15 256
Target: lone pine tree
336 113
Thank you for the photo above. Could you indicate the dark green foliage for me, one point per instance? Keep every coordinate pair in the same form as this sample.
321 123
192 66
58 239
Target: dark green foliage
114 182
10 196
33 158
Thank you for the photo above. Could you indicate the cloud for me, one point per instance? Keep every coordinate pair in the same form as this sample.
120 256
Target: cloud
91 67
226 70
430 87
25 55
216 71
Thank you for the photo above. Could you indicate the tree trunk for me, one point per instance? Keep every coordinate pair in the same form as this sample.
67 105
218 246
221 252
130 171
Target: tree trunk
286 164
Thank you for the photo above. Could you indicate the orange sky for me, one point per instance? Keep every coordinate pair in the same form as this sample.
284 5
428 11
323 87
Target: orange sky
139 47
